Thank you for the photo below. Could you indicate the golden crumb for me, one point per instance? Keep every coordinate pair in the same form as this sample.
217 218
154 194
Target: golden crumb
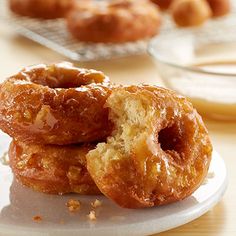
210 175
92 215
73 205
37 218
62 222
5 159
96 203
205 181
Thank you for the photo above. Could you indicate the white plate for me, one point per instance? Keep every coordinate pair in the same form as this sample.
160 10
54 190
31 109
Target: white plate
18 206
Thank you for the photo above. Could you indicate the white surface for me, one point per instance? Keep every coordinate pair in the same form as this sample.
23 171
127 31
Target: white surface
18 205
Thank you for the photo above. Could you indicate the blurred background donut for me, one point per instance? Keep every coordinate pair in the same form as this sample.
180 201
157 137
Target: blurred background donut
219 7
163 4
47 9
190 12
117 21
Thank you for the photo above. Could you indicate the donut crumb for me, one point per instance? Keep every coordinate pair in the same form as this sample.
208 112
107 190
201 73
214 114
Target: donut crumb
73 205
37 218
96 203
92 215
210 175
5 159
62 222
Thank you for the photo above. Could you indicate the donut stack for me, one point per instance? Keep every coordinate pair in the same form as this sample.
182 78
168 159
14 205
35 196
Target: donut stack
141 146
52 113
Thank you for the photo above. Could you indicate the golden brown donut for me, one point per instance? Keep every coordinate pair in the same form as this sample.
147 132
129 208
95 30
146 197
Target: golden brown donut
117 21
163 4
219 7
52 169
46 9
190 12
158 153
55 104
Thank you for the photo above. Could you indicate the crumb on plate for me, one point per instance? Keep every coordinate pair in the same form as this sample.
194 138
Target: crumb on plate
5 159
205 181
37 218
62 222
210 175
92 215
73 205
96 203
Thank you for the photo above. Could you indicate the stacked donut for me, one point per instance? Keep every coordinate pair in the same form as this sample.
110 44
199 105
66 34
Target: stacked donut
141 146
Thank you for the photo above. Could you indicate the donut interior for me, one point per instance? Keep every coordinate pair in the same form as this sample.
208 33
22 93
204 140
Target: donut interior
130 118
134 126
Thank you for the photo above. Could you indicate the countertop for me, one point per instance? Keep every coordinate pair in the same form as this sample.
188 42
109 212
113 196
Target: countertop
17 52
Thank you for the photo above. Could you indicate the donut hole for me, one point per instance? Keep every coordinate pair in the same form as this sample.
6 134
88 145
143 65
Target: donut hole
170 140
64 75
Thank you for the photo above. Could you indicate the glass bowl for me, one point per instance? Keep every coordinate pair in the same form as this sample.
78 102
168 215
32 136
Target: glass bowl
200 63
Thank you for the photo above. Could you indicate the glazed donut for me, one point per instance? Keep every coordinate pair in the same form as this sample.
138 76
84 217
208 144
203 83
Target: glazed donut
158 153
163 4
46 9
190 12
219 7
56 104
52 169
117 21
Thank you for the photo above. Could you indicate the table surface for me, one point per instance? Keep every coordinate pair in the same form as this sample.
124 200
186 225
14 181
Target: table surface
17 52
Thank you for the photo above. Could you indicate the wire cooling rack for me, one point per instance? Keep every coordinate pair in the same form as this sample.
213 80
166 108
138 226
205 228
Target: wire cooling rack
53 34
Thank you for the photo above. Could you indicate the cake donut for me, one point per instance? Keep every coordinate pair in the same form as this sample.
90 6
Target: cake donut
55 104
52 169
46 9
158 153
117 21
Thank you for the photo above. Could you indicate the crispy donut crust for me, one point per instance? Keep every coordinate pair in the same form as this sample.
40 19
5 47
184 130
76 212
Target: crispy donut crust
52 169
115 22
46 9
158 153
57 104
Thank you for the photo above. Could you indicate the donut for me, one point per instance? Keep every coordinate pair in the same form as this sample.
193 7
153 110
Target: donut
158 153
190 12
52 169
117 21
46 9
55 104
163 4
219 7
